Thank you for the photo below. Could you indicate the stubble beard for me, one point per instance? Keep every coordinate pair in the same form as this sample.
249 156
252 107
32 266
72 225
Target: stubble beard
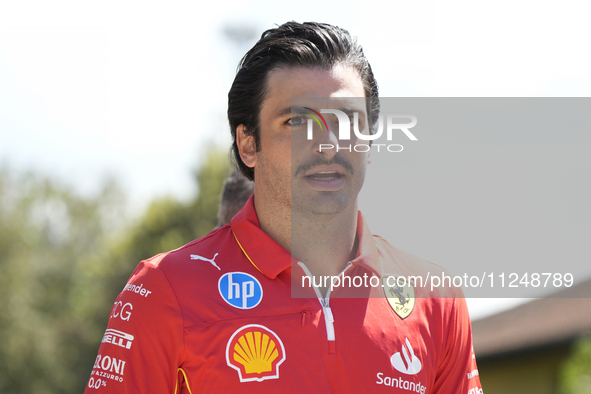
322 205
276 187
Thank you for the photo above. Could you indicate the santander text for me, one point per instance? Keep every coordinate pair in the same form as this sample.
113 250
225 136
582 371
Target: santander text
400 383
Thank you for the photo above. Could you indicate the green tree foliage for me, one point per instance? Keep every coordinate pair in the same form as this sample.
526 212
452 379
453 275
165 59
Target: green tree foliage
64 259
169 223
575 374
48 235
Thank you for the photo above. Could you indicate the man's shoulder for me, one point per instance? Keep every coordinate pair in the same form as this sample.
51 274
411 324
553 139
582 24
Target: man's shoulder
400 263
202 257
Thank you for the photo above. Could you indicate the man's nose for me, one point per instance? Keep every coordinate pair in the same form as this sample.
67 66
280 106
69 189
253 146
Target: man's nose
326 141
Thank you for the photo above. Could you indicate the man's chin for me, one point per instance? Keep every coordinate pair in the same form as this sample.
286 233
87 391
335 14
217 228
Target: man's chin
323 203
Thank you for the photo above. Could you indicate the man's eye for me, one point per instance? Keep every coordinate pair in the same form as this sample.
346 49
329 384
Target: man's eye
296 121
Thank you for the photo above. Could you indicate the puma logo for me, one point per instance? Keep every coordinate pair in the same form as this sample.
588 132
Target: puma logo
197 257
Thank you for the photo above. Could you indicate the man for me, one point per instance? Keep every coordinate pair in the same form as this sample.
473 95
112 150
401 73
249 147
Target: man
217 315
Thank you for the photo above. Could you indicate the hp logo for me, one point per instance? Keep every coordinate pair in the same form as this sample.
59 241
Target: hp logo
241 290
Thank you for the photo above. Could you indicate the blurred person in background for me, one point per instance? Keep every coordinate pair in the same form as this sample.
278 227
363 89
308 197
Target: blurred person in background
237 190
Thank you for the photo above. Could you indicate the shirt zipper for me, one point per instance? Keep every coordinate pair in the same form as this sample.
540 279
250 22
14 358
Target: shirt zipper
325 303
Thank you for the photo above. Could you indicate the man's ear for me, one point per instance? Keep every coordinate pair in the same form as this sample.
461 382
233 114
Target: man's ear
246 146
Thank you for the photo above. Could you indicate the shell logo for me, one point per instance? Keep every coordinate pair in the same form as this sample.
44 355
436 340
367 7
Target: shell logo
255 352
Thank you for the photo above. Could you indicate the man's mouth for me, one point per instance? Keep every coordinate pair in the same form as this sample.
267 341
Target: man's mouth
324 176
326 179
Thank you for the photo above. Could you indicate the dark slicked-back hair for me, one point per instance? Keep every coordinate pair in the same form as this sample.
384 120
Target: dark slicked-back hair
292 44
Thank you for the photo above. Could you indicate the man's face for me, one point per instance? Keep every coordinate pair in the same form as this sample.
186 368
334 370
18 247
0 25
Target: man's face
290 169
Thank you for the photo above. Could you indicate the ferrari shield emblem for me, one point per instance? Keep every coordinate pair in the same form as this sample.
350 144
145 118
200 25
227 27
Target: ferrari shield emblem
400 294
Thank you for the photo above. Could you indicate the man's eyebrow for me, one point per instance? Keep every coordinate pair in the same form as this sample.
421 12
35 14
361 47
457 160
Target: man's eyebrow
289 110
350 109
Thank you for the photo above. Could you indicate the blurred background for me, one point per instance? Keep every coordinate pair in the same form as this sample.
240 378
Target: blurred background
114 147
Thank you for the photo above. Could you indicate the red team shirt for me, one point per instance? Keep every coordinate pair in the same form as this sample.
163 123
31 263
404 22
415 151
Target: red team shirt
217 316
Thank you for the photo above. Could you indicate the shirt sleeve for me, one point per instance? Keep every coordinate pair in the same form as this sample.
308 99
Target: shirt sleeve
143 346
457 371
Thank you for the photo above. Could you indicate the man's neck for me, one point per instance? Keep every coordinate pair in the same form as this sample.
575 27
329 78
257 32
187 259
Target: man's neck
324 243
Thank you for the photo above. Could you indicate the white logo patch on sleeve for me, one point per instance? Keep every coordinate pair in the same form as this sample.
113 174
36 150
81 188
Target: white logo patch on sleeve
197 257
